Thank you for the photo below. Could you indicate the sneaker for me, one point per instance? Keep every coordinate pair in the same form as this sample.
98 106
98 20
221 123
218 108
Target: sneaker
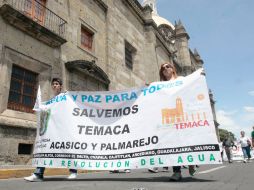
165 169
192 170
177 176
153 170
230 161
33 178
244 161
72 176
127 171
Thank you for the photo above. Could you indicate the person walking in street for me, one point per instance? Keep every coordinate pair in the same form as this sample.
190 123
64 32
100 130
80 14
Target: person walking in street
252 136
167 73
246 145
228 144
37 176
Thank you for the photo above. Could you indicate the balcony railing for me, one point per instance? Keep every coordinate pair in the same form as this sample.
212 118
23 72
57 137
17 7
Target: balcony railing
34 15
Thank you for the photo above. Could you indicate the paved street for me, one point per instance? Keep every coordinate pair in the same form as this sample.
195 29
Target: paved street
238 176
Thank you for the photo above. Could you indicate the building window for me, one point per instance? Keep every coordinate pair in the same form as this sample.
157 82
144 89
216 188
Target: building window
22 90
25 148
129 54
86 38
35 9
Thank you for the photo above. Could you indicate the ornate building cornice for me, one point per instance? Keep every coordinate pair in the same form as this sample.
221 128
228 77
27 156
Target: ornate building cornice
102 5
144 14
89 68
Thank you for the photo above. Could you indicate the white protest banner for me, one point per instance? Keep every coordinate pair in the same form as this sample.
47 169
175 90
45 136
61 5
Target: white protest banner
165 124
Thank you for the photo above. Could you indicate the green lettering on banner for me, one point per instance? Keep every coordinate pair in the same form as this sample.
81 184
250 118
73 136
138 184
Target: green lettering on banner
212 157
143 162
97 164
69 163
202 159
180 160
51 163
127 163
82 164
118 164
190 158
105 164
160 162
63 163
151 161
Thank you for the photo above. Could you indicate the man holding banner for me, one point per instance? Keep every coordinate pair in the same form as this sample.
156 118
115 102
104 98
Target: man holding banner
56 85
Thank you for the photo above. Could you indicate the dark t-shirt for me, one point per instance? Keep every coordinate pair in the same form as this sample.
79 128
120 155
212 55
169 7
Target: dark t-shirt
252 134
228 142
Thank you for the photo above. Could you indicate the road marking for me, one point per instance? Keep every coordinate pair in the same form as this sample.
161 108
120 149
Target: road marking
211 170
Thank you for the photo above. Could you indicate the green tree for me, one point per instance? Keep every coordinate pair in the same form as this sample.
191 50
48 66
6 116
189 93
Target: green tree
224 134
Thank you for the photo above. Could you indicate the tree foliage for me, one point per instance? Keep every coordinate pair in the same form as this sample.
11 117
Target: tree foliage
224 134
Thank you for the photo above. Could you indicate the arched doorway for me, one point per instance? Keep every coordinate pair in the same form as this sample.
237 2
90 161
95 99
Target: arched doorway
86 76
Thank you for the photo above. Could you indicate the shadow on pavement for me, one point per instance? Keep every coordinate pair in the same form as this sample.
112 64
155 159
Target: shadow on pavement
134 179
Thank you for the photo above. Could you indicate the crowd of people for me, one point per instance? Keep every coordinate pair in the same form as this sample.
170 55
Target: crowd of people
246 143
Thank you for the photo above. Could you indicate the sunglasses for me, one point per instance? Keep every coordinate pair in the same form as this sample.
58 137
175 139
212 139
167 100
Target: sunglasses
167 66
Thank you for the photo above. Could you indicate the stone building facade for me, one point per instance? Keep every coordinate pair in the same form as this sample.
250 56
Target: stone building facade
91 45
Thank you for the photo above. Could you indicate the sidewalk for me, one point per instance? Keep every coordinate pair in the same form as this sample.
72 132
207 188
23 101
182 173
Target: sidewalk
19 171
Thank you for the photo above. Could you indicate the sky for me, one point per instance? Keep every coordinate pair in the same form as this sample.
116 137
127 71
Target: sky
223 33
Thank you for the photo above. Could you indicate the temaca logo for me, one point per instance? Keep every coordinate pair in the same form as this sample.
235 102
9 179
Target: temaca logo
180 120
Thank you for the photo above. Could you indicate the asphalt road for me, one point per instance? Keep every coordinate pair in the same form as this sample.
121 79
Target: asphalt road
234 176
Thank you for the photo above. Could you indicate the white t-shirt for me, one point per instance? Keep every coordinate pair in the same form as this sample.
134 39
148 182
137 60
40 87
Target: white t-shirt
243 141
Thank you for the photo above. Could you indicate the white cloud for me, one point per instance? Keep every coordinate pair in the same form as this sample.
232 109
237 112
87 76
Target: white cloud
224 118
249 117
249 109
227 113
235 121
251 93
226 121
